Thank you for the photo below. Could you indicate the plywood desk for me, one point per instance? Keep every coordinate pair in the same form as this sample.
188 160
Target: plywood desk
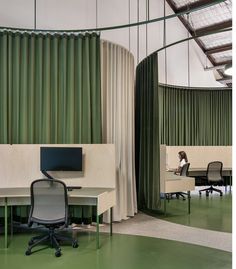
175 183
102 198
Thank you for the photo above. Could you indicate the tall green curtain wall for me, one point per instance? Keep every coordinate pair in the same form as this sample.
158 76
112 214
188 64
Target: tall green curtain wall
173 116
50 88
190 116
147 134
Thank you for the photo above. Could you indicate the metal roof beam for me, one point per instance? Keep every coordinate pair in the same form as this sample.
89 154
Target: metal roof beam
193 5
224 62
217 49
213 27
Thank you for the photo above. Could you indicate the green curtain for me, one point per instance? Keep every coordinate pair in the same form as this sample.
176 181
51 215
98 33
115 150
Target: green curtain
147 134
173 116
3 90
195 116
50 89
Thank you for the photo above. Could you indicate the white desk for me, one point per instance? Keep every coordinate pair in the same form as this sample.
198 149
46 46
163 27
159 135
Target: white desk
102 198
175 183
201 171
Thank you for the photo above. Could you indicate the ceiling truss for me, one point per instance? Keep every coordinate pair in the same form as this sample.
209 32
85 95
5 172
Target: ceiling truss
204 30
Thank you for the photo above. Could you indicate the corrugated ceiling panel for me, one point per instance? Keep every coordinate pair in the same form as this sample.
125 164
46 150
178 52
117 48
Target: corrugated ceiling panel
211 15
212 41
222 56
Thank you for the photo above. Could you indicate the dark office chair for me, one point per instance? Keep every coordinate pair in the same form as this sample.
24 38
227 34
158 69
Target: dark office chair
183 172
213 176
49 207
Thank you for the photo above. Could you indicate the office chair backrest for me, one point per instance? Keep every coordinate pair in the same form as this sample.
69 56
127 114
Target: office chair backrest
49 202
184 170
214 171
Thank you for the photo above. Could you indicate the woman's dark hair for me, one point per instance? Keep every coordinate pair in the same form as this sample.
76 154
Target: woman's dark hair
183 155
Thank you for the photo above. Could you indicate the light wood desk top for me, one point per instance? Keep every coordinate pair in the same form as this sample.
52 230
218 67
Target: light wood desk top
103 198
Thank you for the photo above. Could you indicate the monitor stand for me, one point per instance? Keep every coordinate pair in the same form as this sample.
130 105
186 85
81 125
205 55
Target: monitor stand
47 175
69 188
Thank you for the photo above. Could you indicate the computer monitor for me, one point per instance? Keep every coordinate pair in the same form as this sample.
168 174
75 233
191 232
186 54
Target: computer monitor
61 159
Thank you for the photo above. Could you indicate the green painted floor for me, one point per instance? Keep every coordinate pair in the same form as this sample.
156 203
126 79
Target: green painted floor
212 213
116 252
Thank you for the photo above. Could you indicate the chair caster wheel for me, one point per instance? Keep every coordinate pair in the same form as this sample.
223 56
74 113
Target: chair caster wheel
30 242
75 244
221 194
28 252
200 193
58 253
207 193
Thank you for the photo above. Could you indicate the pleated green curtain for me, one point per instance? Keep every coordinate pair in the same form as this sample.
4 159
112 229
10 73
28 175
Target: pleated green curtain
147 134
50 88
190 116
3 90
173 116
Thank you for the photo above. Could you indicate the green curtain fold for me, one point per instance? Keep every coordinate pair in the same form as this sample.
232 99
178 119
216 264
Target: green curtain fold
50 89
147 134
173 116
190 116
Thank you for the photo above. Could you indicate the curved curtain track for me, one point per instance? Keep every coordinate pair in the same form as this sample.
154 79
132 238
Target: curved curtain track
173 116
118 122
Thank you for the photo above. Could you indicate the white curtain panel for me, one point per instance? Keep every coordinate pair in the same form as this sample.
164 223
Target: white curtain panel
117 67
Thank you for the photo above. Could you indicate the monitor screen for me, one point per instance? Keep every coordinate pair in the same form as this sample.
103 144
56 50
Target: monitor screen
61 159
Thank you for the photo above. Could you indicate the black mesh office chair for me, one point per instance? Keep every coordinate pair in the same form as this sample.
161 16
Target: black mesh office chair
183 172
49 207
213 176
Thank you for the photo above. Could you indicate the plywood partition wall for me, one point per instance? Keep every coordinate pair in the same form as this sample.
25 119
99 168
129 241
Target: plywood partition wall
162 167
20 165
199 156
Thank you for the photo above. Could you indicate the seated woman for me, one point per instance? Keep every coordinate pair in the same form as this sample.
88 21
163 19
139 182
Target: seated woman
183 159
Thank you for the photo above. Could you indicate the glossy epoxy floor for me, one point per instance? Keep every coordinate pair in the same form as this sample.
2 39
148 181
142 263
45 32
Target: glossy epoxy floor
166 245
116 252
211 213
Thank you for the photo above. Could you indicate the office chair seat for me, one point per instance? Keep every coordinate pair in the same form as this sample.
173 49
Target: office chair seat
49 207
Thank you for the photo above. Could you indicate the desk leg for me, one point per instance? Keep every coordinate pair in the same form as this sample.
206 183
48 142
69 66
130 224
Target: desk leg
11 222
189 202
6 239
165 204
111 217
97 233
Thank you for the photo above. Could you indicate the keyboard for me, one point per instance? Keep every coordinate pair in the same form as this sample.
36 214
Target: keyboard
70 188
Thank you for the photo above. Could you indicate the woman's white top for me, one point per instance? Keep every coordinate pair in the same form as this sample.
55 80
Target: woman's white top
182 163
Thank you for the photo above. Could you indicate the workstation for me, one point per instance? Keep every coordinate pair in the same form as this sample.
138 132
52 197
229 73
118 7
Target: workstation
92 185
133 99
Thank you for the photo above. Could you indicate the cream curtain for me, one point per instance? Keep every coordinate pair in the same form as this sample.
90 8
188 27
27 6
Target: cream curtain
117 86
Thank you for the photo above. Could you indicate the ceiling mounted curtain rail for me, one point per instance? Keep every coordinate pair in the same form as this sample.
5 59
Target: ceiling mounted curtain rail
193 88
186 39
47 33
215 2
